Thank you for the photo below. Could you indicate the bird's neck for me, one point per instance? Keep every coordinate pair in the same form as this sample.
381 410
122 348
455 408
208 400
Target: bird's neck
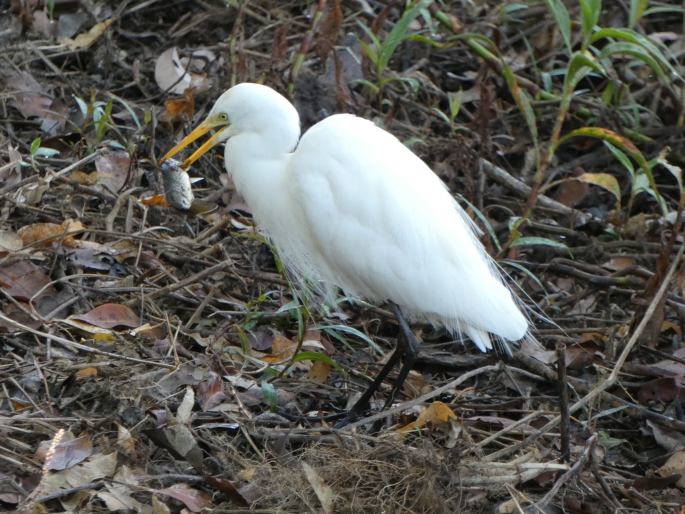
257 165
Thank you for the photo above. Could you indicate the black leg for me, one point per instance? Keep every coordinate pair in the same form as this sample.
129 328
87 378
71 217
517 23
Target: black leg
406 349
407 342
363 403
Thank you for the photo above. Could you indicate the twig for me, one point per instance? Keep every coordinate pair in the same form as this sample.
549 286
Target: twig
189 280
594 463
611 380
501 176
563 403
74 345
575 470
421 399
33 178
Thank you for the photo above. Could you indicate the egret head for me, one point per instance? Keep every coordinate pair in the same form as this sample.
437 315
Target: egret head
243 108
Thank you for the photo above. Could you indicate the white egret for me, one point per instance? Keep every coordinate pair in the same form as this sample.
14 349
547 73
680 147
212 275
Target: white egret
348 206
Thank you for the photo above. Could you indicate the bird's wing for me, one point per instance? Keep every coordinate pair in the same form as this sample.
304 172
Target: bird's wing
387 229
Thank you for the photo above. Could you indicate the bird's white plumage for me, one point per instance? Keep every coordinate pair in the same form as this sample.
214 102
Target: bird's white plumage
350 206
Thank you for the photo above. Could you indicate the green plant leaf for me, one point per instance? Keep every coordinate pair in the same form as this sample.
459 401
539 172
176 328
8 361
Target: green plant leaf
316 357
335 330
82 105
45 152
35 145
269 395
524 270
637 51
589 16
579 66
563 20
637 9
627 146
103 120
484 220
621 157
398 34
631 36
538 241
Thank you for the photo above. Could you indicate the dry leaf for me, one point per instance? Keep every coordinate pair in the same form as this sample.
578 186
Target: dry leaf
675 465
43 234
85 39
282 349
22 280
95 468
68 453
185 409
323 491
437 413
210 392
9 242
86 373
113 169
192 498
31 100
180 109
109 315
319 372
605 181
117 496
155 201
175 75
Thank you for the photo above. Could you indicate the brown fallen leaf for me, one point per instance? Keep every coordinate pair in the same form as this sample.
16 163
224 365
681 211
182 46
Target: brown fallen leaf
665 389
210 392
96 467
322 490
437 413
319 372
113 167
117 495
282 349
85 39
43 234
180 109
32 100
194 499
155 201
9 242
675 465
69 452
110 315
86 373
22 280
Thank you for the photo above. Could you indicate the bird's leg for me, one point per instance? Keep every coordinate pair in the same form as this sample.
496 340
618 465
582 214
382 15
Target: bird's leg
409 345
406 349
362 403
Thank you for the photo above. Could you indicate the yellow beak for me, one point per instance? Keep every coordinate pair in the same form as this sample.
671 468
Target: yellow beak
197 133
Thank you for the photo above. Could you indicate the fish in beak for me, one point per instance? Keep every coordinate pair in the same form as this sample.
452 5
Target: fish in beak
216 122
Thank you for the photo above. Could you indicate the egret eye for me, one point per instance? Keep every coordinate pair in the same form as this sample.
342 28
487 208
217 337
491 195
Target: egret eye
223 117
